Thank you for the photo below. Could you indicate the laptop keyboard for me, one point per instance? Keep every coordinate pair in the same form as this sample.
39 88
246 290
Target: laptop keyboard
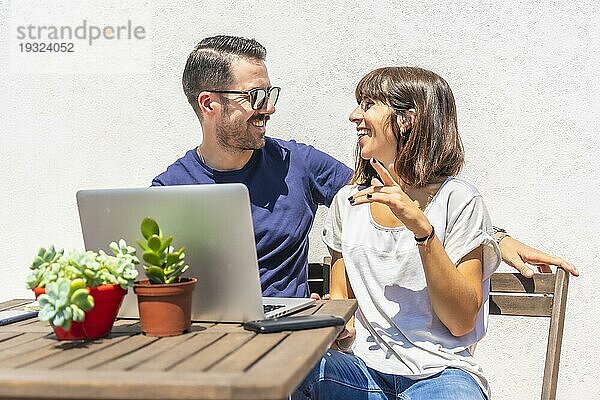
271 307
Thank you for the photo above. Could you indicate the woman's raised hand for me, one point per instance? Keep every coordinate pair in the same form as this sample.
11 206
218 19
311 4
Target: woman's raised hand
388 192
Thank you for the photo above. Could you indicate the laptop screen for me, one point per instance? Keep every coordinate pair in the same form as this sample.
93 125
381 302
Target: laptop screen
213 222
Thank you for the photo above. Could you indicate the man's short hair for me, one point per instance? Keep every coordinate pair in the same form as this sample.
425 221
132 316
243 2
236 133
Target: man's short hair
209 64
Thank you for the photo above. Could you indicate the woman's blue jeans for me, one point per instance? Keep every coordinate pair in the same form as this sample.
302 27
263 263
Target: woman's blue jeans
344 376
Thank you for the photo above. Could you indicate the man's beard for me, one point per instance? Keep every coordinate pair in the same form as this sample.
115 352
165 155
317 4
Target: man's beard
235 135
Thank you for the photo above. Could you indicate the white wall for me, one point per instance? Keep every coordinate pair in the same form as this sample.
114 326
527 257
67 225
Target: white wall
525 75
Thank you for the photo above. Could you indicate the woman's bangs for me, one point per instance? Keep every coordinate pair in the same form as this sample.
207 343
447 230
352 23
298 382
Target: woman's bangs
371 86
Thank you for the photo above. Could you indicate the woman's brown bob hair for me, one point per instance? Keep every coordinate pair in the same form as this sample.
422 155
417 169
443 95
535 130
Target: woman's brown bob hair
430 148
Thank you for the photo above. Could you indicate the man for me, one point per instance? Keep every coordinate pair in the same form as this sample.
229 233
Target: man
228 86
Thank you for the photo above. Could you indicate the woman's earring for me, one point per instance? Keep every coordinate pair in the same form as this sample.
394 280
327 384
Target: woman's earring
402 134
401 130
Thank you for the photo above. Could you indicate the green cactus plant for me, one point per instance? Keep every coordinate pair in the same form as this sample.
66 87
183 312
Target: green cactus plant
65 277
163 264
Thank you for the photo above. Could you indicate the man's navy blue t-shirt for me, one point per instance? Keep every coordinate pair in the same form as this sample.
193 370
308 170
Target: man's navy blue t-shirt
287 181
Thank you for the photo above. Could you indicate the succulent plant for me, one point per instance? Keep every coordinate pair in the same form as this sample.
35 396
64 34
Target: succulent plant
44 267
65 301
163 263
93 268
66 277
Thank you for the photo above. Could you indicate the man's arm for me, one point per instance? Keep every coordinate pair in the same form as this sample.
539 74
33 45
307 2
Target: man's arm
518 255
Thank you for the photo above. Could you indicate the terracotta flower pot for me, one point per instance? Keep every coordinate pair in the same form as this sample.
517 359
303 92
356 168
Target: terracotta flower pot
100 319
165 309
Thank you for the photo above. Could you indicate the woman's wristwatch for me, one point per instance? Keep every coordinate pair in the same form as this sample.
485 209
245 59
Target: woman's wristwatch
499 234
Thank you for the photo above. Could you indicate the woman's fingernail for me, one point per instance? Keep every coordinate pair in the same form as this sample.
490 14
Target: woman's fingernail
369 195
351 200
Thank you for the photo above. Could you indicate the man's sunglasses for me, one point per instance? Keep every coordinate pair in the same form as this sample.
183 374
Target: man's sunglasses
258 96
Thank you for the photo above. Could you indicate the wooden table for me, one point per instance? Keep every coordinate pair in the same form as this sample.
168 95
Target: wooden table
213 361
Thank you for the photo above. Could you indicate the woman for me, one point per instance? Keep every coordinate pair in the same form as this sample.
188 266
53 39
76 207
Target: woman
421 307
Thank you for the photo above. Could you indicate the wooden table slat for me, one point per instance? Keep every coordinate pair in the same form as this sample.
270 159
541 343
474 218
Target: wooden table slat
7 335
47 346
142 354
80 349
26 323
167 360
309 311
249 353
11 346
39 327
24 350
210 327
96 359
85 384
209 356
339 308
22 326
126 322
6 305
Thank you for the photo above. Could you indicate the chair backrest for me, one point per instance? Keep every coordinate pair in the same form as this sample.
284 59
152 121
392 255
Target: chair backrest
318 276
544 295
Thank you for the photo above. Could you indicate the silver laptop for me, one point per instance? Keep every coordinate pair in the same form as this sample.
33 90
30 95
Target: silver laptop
213 222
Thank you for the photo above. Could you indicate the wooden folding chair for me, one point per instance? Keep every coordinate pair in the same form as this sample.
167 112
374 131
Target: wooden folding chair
544 295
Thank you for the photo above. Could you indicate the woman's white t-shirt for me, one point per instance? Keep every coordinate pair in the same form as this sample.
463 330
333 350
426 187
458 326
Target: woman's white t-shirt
397 331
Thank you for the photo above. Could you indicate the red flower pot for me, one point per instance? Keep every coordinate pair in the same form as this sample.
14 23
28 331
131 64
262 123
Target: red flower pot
100 319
